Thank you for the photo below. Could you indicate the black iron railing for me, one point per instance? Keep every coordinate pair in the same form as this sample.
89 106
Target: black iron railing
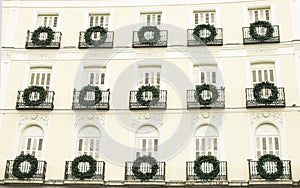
193 102
190 174
162 42
24 167
55 43
108 43
160 174
102 105
247 38
160 103
46 105
192 41
83 167
252 103
270 167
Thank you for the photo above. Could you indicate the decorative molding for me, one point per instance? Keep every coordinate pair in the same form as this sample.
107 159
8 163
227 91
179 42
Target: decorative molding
147 117
261 117
262 52
41 57
5 57
91 118
33 118
207 117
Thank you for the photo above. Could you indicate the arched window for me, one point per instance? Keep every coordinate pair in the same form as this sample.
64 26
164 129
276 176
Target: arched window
32 141
206 141
267 140
147 140
89 142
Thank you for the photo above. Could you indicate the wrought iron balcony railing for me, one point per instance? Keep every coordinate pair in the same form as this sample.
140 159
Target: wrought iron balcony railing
160 174
46 105
252 103
102 105
190 174
162 42
287 171
160 103
108 43
193 102
99 174
24 167
247 38
55 43
192 41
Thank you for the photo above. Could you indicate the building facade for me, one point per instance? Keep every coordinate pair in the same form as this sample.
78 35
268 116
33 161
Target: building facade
172 80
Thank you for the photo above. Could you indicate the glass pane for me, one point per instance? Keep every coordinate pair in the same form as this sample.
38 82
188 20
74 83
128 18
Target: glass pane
214 77
28 143
155 144
254 76
80 145
40 144
144 145
271 75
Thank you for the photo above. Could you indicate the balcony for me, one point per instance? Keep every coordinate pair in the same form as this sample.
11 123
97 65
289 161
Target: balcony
24 167
192 41
46 105
191 176
193 102
83 167
108 43
159 176
253 174
55 43
155 104
102 105
162 41
247 38
251 102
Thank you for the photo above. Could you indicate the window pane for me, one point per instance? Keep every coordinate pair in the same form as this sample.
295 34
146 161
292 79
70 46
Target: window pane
144 145
40 144
254 76
155 144
214 77
80 145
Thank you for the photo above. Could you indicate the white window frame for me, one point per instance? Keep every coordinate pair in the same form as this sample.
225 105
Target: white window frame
206 72
193 9
37 13
23 143
102 70
86 142
150 10
151 70
259 5
86 23
263 67
98 17
147 143
205 17
40 70
261 14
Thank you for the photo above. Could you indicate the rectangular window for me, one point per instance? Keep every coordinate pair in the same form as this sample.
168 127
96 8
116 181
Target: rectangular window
40 77
94 76
267 145
262 14
204 17
147 146
150 75
48 21
31 145
206 146
89 146
263 72
99 20
205 74
151 18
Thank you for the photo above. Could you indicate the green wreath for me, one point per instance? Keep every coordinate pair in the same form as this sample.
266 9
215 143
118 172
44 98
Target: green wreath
16 171
210 28
35 37
82 159
265 85
262 171
88 33
206 159
28 91
144 29
136 168
208 87
89 88
144 88
265 24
